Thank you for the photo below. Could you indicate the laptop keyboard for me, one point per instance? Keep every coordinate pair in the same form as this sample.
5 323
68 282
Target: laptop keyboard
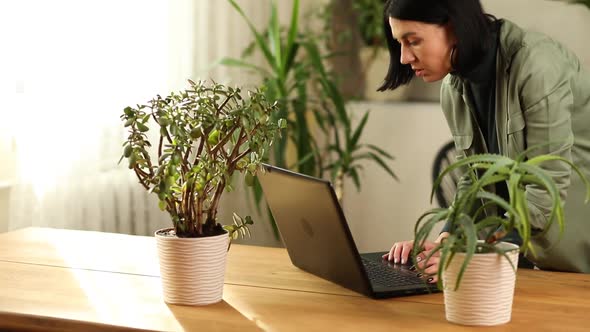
385 275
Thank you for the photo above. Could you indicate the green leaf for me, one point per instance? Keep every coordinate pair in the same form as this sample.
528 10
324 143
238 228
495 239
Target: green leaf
302 161
143 128
446 257
129 111
355 178
274 36
380 151
127 152
162 205
478 158
282 123
469 230
549 184
249 179
358 132
259 39
328 85
381 163
291 46
213 137
421 232
498 201
493 248
544 158
243 64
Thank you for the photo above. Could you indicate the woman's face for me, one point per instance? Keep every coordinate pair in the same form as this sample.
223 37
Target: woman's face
426 47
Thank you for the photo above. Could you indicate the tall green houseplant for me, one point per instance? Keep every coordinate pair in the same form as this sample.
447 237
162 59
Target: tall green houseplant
308 95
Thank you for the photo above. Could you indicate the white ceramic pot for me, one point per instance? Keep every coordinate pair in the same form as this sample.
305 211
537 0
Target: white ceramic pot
192 269
485 294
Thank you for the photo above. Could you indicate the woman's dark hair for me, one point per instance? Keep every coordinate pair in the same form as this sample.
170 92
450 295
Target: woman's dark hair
472 28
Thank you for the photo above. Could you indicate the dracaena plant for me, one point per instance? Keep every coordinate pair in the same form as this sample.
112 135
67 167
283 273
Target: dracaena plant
204 134
297 76
468 222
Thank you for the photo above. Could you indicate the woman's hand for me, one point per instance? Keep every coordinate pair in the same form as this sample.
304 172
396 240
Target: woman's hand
400 252
427 269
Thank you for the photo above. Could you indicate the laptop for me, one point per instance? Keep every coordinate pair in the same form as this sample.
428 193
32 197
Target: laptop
318 240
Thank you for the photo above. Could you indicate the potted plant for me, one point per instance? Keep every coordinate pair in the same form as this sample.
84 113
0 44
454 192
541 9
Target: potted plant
320 128
204 135
473 253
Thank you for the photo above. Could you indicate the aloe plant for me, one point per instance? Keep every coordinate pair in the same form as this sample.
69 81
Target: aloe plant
296 76
466 214
205 134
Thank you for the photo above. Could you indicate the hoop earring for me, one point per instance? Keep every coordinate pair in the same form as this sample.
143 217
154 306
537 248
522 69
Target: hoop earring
453 56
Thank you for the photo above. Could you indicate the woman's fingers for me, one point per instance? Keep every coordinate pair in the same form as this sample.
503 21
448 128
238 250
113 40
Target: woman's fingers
433 267
433 279
431 262
389 256
406 250
428 269
399 252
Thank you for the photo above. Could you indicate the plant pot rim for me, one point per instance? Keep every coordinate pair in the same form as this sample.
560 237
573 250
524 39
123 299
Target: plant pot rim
507 246
226 233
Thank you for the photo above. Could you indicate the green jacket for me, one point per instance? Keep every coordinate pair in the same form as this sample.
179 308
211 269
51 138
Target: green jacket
542 95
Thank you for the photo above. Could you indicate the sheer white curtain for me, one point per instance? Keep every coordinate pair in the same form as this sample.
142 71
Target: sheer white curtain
78 64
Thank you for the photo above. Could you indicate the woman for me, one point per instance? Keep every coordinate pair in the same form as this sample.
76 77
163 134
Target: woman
504 89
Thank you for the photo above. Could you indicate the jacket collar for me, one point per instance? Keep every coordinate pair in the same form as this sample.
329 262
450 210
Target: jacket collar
511 40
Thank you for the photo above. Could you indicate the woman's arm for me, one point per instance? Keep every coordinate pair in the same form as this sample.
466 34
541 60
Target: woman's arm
545 95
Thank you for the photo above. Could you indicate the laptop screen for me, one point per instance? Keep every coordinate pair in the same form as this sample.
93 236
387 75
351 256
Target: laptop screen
313 227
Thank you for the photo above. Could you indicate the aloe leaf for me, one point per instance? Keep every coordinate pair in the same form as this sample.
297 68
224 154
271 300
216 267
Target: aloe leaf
540 159
496 249
549 185
498 201
479 158
469 230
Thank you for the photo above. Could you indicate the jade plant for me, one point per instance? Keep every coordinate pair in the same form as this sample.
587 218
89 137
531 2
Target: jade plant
469 218
186 147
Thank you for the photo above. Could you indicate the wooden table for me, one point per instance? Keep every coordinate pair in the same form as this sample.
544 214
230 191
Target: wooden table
67 280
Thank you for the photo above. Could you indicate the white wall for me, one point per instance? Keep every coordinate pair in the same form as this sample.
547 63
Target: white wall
385 210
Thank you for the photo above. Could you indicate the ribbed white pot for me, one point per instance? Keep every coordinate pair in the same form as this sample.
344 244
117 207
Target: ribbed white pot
192 269
486 290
